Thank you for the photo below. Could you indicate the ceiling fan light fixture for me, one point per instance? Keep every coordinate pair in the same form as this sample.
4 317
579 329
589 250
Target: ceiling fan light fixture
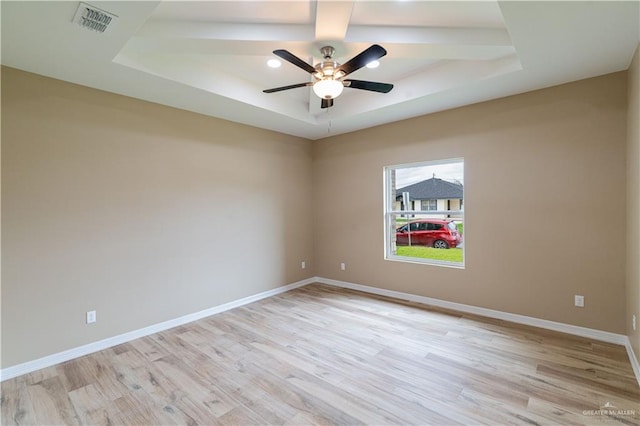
328 75
328 88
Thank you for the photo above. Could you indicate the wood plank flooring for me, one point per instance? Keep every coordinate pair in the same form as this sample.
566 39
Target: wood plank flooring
323 355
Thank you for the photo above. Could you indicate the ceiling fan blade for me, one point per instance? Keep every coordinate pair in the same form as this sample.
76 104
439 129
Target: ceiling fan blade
293 86
326 103
290 57
368 85
363 58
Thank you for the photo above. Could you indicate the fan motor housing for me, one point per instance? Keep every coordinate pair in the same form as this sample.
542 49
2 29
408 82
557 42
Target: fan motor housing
327 69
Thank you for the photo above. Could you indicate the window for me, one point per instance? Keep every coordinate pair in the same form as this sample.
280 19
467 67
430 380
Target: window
429 205
433 234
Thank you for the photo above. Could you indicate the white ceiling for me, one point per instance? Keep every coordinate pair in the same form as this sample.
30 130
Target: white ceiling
210 56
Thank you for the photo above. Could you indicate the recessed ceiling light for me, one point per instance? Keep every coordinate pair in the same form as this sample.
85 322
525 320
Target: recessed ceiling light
373 64
274 63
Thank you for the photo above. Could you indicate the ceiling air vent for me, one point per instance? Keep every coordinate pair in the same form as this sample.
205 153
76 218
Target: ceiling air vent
94 19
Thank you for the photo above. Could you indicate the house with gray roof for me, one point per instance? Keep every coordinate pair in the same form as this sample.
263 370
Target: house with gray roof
432 195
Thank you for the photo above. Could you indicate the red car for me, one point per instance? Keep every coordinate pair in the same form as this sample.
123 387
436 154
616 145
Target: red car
429 232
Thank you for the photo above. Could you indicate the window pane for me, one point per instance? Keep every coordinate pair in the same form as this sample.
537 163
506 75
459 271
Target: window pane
434 194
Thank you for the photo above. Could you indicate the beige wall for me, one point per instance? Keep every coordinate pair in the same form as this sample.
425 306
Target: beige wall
539 170
633 203
141 212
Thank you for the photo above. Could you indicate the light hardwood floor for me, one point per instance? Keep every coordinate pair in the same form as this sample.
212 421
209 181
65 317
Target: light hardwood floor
323 355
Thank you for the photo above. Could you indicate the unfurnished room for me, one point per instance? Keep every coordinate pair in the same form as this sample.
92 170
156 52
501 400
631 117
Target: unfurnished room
300 212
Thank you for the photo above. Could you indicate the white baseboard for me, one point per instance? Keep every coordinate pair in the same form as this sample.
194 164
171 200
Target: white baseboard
634 360
50 360
603 336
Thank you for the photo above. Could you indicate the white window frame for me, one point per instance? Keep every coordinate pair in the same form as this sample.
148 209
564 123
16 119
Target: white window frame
390 213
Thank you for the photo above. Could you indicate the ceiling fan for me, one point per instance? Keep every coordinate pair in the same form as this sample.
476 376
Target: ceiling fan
329 75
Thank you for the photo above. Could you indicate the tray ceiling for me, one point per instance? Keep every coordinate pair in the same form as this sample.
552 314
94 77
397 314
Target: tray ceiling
211 56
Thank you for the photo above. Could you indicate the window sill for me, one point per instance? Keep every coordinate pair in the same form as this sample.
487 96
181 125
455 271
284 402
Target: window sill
443 263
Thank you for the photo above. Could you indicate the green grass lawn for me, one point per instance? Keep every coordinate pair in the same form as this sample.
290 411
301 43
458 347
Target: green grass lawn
449 255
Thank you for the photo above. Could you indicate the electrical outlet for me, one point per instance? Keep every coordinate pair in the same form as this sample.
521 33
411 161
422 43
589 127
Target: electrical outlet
579 301
633 323
303 264
91 317
343 267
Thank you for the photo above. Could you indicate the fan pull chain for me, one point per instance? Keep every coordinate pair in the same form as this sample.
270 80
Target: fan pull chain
329 122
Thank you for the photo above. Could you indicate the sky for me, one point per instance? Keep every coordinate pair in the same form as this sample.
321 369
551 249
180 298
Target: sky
447 171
